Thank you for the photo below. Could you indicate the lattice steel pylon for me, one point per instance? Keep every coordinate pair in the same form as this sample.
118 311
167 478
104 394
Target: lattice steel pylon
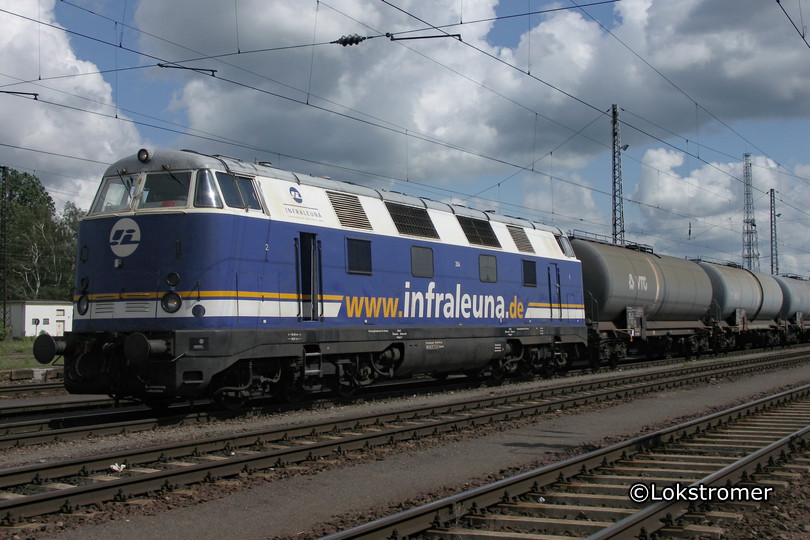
750 254
618 205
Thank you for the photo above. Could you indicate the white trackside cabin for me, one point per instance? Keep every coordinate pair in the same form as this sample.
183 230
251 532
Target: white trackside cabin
33 317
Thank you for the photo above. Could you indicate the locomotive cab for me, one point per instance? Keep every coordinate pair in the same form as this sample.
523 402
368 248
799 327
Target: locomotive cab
144 257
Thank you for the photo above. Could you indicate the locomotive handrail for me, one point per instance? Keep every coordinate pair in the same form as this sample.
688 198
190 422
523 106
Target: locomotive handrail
321 309
594 305
298 297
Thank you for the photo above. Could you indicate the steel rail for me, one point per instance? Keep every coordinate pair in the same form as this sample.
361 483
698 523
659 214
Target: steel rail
264 449
29 432
441 516
30 388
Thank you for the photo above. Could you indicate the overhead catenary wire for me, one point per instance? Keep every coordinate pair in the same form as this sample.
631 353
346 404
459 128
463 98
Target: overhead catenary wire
409 133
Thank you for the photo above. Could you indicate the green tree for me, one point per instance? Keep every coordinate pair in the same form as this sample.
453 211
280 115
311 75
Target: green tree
41 244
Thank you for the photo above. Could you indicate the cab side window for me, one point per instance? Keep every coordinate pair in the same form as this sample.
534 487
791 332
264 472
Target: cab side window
205 192
238 191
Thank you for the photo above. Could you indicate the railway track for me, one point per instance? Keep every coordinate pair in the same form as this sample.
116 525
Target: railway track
78 404
743 453
131 420
10 390
50 487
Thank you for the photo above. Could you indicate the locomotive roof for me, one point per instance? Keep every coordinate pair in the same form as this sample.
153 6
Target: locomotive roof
190 159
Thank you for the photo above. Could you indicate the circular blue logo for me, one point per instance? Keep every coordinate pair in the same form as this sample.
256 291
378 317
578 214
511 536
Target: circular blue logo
296 195
125 236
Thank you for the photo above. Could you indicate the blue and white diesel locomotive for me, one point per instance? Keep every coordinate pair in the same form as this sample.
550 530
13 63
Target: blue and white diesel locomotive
207 276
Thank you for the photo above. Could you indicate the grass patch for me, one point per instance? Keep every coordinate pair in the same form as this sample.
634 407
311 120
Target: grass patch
17 353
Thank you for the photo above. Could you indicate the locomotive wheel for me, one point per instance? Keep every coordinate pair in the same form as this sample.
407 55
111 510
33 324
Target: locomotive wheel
547 370
158 404
496 373
345 389
293 394
231 401
524 369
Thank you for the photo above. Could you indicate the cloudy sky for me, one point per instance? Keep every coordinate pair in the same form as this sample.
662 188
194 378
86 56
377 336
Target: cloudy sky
512 115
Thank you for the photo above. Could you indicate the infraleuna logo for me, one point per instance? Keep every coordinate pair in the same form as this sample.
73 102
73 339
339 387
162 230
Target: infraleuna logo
125 237
296 195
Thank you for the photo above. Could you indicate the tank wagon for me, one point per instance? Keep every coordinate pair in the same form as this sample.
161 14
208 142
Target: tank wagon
208 276
639 303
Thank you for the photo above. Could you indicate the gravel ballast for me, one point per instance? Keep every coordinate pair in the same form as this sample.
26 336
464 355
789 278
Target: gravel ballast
305 505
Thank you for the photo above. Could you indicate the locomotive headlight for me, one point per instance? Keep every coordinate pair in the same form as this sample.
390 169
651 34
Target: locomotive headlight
171 302
83 304
173 278
143 155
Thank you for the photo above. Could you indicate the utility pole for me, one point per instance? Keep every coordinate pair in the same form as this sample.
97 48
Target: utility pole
4 219
618 205
774 248
750 253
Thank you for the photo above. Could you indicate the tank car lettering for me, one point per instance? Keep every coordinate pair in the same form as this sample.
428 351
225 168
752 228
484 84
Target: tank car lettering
639 282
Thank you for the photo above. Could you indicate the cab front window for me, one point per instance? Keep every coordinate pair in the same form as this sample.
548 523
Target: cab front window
165 190
115 195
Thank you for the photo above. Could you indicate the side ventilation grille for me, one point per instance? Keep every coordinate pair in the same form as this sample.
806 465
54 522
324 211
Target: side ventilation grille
349 211
521 239
479 232
412 220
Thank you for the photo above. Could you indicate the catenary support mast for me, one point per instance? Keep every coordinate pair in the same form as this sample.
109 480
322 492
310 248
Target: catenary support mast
750 253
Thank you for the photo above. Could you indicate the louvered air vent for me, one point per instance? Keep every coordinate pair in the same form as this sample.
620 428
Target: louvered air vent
478 231
349 211
412 220
520 238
